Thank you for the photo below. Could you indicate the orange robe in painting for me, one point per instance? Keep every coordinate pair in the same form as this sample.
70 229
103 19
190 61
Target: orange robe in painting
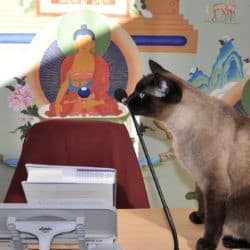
99 87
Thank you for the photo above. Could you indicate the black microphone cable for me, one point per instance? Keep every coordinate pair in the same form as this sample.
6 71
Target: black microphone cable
121 96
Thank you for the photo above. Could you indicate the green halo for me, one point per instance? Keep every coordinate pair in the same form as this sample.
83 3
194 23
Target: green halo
245 99
73 21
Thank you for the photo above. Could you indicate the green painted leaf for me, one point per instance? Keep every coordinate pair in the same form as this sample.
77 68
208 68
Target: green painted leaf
11 88
191 196
21 80
245 98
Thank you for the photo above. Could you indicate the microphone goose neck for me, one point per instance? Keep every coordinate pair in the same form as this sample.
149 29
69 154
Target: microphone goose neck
120 95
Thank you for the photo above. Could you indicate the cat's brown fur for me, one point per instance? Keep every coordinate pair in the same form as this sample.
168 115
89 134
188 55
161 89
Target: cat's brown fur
211 141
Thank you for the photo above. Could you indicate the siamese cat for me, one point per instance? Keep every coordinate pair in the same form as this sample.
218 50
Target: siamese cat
212 142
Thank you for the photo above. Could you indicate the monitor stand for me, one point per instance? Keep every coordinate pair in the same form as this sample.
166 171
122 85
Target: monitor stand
45 231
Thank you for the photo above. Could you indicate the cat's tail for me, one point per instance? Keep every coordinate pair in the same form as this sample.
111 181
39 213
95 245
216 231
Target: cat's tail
231 242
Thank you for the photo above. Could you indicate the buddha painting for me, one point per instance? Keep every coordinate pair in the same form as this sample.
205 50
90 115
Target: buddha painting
82 58
84 81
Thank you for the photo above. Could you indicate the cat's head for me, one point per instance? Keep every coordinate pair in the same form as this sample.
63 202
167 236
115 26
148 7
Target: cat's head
154 92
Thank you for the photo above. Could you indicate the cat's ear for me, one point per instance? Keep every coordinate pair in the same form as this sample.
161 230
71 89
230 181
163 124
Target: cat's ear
156 67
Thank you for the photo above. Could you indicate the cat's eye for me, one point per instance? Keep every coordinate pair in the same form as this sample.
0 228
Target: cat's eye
141 95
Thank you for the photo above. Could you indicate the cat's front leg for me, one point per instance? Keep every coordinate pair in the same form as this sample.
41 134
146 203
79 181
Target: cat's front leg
214 204
197 217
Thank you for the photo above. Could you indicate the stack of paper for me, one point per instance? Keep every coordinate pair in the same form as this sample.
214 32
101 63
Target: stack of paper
75 184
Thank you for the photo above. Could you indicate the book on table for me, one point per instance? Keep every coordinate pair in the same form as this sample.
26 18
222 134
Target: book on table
64 184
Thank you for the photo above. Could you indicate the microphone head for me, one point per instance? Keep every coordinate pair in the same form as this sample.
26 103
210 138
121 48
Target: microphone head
120 95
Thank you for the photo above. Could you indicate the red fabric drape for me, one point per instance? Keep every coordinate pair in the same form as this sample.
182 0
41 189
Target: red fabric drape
83 143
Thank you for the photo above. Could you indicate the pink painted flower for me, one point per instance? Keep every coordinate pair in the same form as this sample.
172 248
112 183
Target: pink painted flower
20 98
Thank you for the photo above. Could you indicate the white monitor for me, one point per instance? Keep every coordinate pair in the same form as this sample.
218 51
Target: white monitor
91 225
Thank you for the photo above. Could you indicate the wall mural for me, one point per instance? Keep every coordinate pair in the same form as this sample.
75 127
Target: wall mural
56 83
75 89
153 26
228 78
62 78
224 11
75 73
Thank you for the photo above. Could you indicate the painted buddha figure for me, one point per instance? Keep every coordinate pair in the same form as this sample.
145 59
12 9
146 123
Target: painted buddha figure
84 81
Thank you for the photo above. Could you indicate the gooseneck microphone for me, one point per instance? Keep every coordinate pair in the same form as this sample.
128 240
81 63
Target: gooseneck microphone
121 96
